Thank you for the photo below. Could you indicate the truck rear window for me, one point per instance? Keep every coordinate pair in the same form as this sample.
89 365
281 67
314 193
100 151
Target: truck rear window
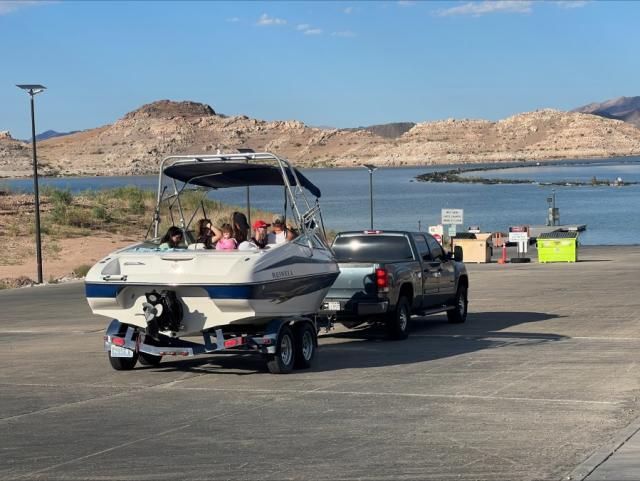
372 248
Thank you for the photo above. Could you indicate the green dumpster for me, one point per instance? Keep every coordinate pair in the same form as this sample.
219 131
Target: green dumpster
557 247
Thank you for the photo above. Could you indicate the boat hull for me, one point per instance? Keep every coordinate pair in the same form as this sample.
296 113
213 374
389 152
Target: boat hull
215 289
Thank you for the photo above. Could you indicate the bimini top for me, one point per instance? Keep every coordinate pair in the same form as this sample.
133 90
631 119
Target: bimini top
225 174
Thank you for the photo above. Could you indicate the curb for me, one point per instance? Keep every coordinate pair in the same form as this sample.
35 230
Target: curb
603 453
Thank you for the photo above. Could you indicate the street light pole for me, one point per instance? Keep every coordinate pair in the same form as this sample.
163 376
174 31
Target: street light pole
371 168
33 90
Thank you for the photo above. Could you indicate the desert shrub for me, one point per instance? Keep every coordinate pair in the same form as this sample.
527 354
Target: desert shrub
100 213
81 270
59 197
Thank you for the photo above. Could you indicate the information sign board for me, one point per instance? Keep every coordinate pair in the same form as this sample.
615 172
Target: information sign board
518 237
452 216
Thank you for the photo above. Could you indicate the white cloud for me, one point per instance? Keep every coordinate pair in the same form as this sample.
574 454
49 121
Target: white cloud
233 19
313 31
348 10
8 6
477 9
266 20
303 26
570 3
344 33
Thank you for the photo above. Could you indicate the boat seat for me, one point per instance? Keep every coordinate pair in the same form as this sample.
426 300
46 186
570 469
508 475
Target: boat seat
196 246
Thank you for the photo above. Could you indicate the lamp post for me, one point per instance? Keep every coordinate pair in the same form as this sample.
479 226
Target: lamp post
33 90
371 168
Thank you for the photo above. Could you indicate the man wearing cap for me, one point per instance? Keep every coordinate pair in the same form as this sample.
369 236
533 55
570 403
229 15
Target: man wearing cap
279 233
260 233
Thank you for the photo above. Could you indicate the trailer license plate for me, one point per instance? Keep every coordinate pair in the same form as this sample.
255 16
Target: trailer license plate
333 306
117 351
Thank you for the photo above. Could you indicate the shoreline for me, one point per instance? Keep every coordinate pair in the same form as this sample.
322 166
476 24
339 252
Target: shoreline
507 164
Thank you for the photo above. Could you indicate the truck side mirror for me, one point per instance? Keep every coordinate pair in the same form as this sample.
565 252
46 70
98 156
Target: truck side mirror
457 253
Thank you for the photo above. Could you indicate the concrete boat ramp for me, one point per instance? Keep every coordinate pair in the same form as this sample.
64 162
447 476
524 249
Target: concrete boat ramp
541 382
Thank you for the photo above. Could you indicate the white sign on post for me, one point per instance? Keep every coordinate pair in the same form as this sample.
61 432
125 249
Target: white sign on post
452 216
517 237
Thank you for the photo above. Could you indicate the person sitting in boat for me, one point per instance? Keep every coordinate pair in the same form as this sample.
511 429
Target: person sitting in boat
172 239
208 234
260 234
241 231
227 242
279 233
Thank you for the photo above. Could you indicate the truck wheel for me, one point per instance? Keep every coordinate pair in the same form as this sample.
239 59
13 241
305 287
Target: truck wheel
123 363
305 346
398 323
282 361
459 313
147 359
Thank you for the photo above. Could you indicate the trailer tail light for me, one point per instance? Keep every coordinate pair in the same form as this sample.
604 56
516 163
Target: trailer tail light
118 341
236 341
382 280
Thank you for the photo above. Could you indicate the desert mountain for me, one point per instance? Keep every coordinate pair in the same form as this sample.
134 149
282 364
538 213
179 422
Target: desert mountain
15 157
389 131
49 134
622 108
137 142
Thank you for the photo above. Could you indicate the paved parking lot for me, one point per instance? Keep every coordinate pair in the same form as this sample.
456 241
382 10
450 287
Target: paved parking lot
540 383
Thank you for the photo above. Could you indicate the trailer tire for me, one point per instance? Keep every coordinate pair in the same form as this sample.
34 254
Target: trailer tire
398 322
147 359
284 358
306 343
458 314
123 363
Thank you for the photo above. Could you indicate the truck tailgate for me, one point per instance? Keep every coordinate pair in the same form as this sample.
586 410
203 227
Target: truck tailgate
355 281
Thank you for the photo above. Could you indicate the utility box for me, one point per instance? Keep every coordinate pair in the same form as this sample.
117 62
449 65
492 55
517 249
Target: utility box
475 247
557 247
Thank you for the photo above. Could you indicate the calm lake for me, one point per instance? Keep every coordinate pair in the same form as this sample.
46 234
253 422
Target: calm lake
611 213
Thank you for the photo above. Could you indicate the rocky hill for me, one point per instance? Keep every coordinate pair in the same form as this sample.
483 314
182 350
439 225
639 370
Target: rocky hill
137 142
390 131
622 108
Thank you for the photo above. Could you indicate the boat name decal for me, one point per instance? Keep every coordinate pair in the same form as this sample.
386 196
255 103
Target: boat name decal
281 274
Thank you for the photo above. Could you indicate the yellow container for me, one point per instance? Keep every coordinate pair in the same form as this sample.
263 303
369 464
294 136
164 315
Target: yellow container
557 249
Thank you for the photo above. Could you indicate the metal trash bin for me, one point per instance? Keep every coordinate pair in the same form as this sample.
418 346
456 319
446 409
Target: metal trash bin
557 247
475 247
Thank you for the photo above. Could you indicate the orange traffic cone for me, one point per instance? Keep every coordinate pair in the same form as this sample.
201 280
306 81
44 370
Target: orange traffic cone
503 259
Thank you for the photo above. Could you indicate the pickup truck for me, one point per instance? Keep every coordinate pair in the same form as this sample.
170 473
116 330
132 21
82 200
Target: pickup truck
386 276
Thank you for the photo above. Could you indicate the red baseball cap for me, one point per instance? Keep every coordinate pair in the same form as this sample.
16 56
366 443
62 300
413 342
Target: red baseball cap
260 223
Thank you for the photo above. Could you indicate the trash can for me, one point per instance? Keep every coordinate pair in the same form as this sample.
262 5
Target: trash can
557 247
475 247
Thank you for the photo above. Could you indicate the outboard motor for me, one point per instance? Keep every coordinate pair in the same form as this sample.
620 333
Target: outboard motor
163 312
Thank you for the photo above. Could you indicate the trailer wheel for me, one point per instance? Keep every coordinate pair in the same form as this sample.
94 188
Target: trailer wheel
459 313
149 359
123 363
398 322
283 360
305 346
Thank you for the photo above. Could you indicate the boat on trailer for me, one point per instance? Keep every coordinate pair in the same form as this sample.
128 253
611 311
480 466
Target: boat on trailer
242 298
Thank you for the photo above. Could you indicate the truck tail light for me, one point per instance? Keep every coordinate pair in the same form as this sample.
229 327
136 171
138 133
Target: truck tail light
382 280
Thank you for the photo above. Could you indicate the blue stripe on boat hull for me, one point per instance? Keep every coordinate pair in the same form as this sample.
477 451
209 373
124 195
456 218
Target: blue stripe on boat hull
282 289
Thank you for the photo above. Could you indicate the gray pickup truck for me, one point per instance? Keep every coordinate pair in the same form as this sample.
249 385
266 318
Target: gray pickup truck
386 276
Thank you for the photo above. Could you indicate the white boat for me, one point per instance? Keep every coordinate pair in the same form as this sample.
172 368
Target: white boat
189 290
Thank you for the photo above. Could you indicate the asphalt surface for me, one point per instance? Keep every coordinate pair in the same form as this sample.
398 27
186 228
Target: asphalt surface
541 382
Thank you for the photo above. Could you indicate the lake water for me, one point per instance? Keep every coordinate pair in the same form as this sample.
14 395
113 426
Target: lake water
400 202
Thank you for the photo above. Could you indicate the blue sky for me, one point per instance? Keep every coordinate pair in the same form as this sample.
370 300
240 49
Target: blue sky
326 63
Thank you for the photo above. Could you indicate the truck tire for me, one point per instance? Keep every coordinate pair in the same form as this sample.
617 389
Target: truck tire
306 342
123 363
458 314
398 322
283 360
147 359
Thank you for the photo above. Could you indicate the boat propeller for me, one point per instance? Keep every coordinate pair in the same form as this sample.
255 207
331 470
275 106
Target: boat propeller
163 312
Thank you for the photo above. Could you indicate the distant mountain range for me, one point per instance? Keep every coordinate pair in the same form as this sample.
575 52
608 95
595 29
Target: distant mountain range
626 109
49 134
137 142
